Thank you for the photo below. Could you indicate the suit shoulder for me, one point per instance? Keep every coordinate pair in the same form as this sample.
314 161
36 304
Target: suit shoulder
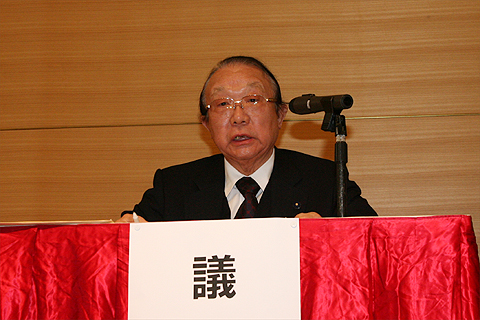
193 168
302 160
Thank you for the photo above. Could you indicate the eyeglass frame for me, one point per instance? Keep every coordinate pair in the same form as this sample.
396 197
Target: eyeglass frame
235 102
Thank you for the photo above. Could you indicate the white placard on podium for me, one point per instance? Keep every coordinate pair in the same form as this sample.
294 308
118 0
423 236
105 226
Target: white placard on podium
221 269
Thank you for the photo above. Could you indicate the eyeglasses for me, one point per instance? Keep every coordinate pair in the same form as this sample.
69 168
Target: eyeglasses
251 104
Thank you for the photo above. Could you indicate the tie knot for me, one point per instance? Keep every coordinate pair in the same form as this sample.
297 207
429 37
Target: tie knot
247 185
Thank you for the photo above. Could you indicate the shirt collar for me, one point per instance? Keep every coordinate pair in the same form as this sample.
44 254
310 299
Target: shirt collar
261 176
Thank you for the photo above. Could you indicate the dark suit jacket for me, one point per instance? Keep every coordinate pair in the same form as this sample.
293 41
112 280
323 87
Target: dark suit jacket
299 183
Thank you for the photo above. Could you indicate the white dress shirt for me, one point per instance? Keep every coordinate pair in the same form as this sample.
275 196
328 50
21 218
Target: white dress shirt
232 175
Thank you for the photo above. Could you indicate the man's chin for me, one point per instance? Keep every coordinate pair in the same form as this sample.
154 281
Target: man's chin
247 154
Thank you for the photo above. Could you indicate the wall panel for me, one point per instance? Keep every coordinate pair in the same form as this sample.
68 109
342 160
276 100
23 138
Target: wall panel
87 172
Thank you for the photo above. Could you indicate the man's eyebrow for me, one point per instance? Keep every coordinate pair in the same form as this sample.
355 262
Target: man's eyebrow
217 89
256 84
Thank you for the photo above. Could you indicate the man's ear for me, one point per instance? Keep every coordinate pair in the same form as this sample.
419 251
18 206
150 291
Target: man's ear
282 113
204 120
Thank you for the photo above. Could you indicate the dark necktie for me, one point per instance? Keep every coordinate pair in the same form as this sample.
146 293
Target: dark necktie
249 189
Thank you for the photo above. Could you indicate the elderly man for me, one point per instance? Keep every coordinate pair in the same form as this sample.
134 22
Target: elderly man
242 108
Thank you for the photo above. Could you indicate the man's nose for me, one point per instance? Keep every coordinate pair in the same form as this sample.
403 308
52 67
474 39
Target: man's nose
239 115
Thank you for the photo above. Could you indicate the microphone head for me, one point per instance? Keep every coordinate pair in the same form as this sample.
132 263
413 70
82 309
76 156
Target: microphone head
309 103
301 105
344 101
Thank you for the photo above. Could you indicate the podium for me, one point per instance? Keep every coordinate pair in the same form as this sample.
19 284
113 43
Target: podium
350 268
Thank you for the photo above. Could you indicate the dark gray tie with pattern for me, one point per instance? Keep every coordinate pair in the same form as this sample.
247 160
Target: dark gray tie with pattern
249 189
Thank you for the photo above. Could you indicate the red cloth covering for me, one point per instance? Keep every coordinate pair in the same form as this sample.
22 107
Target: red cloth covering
64 272
389 268
351 268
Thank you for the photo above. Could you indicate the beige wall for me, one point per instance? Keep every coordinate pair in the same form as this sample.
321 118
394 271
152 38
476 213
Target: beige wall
95 95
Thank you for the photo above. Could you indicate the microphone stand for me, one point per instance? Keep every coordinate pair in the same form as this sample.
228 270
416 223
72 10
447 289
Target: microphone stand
334 122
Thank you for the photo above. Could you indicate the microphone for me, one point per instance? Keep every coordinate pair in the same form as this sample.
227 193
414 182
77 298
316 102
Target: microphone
309 103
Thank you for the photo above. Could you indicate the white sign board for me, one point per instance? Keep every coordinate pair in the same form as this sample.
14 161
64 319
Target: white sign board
220 269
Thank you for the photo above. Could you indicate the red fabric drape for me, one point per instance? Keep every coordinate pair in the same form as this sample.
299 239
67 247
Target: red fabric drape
64 272
351 268
389 268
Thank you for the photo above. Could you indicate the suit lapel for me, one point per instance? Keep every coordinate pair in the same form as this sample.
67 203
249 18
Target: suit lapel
280 198
209 201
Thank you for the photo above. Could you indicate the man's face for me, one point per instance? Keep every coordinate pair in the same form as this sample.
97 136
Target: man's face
246 139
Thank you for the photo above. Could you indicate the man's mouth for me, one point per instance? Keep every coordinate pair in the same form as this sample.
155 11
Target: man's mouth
241 138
